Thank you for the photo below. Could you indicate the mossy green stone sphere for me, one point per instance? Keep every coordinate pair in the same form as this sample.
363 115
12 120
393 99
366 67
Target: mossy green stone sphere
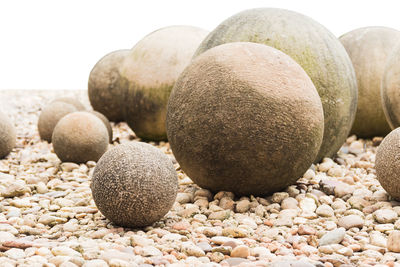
7 135
245 118
387 164
312 46
369 49
80 137
50 116
105 92
134 184
150 71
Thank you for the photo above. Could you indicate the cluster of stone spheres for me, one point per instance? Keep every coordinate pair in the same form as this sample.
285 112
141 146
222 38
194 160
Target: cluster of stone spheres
246 108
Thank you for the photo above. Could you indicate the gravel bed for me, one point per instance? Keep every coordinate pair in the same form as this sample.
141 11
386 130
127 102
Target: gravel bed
336 215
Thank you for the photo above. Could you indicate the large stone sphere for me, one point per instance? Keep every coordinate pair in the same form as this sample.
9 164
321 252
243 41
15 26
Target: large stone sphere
134 184
150 71
104 88
7 135
369 49
390 90
312 46
245 118
387 164
50 116
80 137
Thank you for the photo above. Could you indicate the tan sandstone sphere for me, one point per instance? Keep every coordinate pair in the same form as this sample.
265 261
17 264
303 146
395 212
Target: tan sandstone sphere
134 184
7 135
80 137
105 93
390 90
50 116
245 118
387 164
72 101
105 121
314 48
369 49
150 71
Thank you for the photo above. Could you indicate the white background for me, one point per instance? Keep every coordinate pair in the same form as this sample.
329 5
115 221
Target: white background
52 44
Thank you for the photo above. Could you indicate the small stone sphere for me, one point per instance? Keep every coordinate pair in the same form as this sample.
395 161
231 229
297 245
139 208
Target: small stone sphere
134 184
70 100
7 135
244 118
387 164
104 90
80 137
49 117
105 121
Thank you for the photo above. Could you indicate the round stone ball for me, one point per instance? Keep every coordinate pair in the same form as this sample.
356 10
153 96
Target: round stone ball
390 89
7 135
72 101
314 48
80 137
105 121
49 117
104 89
134 184
369 49
244 118
387 164
150 71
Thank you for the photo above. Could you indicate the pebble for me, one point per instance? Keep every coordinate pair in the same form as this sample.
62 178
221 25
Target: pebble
351 221
385 216
241 251
393 242
325 211
333 237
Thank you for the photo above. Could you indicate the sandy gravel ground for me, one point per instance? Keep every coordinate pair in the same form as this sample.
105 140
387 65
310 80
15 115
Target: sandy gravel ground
336 215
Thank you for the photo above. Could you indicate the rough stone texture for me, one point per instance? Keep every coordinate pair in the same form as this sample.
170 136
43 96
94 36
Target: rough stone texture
238 96
314 48
394 241
80 137
390 88
105 121
134 184
72 101
104 90
369 48
387 163
7 135
150 71
50 116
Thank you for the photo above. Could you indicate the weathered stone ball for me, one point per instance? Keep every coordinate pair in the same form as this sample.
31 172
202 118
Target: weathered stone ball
369 49
49 117
105 121
245 118
387 164
71 100
104 88
134 184
150 71
80 137
314 48
7 135
390 89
